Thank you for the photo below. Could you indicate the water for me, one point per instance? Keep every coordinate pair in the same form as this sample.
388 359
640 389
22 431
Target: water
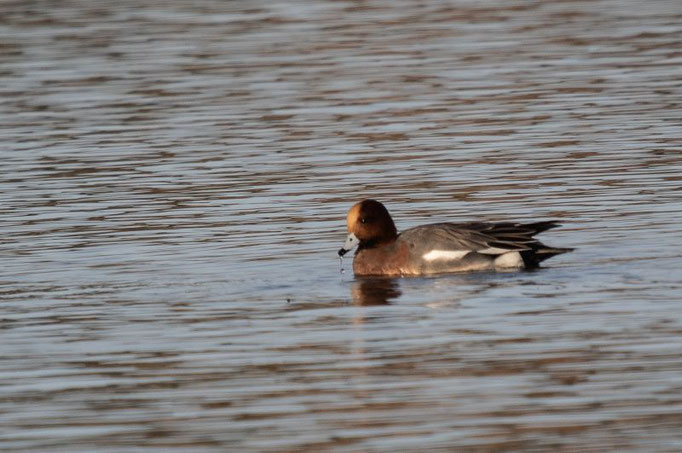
174 186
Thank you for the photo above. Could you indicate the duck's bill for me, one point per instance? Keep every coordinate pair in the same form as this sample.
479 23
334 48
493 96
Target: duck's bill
351 242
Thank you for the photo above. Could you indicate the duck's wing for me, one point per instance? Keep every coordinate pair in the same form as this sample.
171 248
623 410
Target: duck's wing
481 237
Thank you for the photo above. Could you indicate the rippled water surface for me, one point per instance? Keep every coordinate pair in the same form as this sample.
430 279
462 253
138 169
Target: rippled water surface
174 183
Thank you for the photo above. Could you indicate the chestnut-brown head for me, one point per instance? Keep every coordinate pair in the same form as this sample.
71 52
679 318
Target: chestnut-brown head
369 225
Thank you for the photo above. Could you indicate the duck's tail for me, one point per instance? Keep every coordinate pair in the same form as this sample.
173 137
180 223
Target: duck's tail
539 251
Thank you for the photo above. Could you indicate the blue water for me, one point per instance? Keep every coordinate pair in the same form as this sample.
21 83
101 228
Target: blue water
174 185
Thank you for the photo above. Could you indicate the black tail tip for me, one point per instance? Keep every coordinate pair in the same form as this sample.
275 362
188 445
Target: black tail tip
533 258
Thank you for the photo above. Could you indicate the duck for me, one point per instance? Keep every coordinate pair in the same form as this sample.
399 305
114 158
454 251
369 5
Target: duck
441 248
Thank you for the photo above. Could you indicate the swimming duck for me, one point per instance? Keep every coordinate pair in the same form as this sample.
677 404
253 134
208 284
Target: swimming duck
441 247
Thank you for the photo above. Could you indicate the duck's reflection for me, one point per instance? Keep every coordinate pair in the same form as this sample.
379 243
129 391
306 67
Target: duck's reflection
375 291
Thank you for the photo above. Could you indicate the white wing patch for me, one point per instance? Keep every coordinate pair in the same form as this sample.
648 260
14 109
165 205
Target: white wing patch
445 255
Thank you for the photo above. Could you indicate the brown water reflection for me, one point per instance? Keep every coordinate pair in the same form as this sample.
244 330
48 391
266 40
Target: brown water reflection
375 291
173 190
